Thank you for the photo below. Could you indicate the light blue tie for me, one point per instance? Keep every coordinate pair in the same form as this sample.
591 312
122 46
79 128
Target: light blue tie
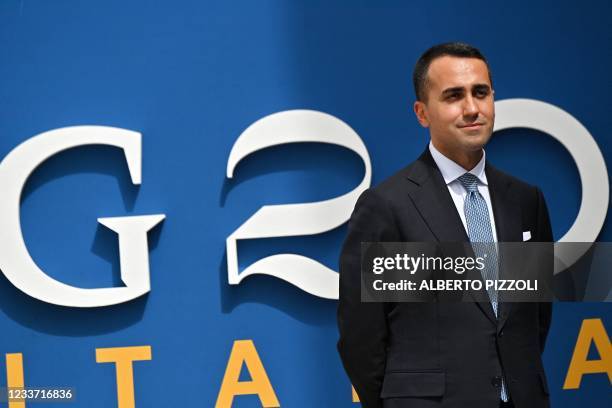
480 231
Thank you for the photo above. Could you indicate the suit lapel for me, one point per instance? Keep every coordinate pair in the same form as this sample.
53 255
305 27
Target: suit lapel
433 201
507 213
506 209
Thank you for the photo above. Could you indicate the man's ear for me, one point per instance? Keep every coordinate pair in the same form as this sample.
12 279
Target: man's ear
420 111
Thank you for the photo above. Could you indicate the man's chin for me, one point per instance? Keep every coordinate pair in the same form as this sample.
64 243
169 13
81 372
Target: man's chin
475 141
474 145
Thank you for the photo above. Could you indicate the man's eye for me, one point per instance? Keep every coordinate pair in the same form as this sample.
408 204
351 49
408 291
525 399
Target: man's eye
481 93
453 96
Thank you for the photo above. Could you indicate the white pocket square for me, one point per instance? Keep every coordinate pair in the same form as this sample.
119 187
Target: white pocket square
526 235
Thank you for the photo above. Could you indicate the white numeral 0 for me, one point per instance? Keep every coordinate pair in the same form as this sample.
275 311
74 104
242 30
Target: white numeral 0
567 130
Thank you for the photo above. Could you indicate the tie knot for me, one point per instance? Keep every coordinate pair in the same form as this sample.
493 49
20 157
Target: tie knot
469 182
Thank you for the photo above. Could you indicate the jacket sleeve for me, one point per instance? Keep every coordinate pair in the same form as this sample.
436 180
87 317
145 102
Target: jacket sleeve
544 235
363 326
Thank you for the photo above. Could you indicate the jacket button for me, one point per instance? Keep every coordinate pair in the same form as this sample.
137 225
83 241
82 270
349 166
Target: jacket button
496 381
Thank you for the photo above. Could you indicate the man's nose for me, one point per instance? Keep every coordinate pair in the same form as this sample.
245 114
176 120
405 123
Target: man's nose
470 107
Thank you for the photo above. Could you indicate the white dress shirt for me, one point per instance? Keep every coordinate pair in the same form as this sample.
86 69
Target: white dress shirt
451 171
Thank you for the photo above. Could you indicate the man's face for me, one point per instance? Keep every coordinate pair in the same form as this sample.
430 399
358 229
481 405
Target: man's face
459 109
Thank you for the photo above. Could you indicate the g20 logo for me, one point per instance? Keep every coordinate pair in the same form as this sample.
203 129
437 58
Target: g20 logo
295 126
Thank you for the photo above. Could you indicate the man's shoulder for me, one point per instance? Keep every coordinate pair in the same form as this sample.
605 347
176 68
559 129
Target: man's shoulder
413 174
396 186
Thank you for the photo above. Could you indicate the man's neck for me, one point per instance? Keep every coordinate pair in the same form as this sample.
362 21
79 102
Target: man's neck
467 160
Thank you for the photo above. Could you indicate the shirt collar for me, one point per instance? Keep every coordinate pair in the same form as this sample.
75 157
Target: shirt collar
451 170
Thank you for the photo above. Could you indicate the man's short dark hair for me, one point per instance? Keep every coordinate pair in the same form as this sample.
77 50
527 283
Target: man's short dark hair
454 49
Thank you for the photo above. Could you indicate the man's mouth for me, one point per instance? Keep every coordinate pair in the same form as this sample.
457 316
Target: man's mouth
472 126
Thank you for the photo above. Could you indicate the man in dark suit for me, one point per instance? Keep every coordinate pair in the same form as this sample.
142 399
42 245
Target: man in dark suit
446 355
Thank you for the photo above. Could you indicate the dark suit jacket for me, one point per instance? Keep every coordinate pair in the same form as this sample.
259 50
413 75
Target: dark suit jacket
442 355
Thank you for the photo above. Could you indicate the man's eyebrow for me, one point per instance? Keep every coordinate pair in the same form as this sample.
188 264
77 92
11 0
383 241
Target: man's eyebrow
481 87
455 89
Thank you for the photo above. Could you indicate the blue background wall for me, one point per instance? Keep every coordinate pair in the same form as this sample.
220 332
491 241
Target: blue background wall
191 76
